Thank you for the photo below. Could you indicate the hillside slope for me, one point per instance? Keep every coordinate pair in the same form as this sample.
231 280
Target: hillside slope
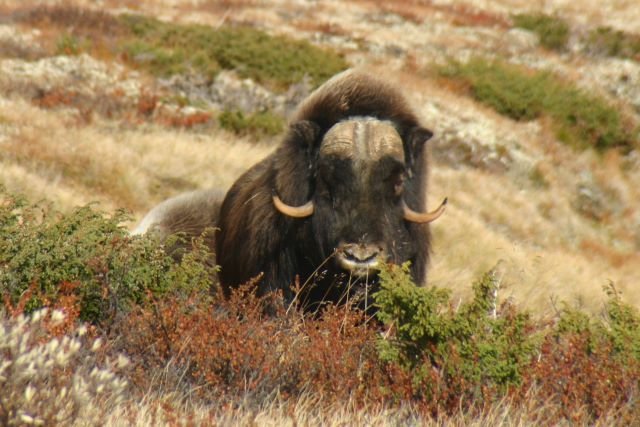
80 123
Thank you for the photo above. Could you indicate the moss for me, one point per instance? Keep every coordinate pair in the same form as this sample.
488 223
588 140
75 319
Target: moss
552 30
167 48
579 118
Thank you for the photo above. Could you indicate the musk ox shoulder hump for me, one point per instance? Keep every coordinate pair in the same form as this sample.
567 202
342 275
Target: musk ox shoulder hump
353 93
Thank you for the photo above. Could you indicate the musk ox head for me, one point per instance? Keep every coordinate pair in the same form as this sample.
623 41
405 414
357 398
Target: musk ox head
357 209
343 193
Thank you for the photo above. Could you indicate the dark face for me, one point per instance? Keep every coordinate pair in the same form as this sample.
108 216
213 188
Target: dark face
358 214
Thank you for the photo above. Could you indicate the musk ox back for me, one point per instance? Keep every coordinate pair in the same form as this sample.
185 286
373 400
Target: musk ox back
189 214
344 193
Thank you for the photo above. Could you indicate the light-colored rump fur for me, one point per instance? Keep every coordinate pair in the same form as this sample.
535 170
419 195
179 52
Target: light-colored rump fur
189 213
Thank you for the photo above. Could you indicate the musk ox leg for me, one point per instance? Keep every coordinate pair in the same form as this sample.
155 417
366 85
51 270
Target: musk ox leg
189 214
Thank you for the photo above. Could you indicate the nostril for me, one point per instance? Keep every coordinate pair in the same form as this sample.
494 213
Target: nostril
360 253
360 259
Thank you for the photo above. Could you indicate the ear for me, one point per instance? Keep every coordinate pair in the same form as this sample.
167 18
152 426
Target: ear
295 163
414 144
303 136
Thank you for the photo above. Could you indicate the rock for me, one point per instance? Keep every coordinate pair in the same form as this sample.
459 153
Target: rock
233 93
230 92
457 150
17 44
83 74
594 201
518 40
620 77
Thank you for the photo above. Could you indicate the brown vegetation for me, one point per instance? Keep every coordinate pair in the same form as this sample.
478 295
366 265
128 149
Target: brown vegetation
228 357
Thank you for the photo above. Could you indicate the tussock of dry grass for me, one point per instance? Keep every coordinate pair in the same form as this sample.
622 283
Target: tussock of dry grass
309 411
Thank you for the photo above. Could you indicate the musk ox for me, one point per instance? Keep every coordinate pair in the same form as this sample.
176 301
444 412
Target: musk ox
189 214
343 193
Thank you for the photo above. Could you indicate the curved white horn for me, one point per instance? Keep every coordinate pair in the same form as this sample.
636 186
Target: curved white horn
423 218
293 211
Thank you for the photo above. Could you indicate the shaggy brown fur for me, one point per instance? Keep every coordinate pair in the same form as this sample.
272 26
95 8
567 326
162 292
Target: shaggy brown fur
255 238
358 200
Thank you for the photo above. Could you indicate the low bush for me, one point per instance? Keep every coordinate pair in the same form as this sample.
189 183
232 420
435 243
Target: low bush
166 48
583 369
612 42
230 352
581 119
587 368
68 44
473 353
69 16
260 123
48 379
552 31
88 254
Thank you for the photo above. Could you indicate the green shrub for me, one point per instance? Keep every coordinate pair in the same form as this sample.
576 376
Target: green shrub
623 325
553 31
479 348
583 367
579 118
620 328
88 253
166 48
589 367
611 42
261 123
163 61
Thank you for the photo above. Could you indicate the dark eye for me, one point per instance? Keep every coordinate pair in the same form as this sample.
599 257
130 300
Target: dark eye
398 184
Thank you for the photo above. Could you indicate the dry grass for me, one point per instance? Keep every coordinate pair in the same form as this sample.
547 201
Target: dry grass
310 411
45 156
542 239
459 13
